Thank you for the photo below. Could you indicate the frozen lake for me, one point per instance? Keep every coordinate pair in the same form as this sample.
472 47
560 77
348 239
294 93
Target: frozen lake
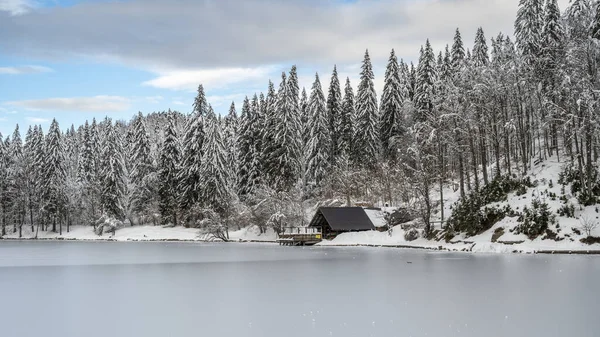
189 289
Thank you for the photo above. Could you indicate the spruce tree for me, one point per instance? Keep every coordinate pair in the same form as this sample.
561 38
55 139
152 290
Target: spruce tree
113 174
426 77
346 132
528 29
246 179
216 177
230 141
143 166
458 52
168 173
480 50
319 145
366 139
54 176
390 123
192 153
334 110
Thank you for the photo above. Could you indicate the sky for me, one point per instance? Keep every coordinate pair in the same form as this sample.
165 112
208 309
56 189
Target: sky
74 60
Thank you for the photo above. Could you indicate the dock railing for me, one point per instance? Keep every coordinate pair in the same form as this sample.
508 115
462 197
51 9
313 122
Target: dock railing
300 236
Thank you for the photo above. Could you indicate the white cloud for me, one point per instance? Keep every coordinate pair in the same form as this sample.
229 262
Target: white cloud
178 103
27 69
211 78
76 104
154 99
16 7
37 120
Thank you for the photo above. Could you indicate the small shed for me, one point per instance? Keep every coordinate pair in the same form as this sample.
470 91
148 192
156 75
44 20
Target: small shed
336 220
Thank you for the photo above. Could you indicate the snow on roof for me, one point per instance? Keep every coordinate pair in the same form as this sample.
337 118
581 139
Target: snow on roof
376 217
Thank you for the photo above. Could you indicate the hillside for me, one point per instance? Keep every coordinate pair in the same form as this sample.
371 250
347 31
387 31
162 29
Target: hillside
566 217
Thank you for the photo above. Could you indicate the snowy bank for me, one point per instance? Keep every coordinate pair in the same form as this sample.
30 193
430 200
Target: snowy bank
143 233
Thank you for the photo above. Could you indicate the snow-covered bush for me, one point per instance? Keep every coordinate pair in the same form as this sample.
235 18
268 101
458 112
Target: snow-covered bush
567 210
411 234
106 224
470 216
213 226
535 219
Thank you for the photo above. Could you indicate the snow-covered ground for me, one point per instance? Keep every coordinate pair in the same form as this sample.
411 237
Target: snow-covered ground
545 175
144 233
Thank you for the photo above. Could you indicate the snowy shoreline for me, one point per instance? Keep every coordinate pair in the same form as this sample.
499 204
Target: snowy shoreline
373 239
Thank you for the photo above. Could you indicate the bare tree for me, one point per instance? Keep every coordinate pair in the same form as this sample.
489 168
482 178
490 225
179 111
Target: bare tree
588 225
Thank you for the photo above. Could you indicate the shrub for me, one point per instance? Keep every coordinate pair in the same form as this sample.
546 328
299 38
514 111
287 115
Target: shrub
567 210
468 215
572 175
590 240
411 234
535 219
576 231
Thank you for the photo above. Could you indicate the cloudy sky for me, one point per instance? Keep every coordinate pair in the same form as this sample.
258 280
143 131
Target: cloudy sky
78 59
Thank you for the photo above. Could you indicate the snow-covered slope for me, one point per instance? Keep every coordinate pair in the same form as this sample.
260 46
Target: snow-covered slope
545 175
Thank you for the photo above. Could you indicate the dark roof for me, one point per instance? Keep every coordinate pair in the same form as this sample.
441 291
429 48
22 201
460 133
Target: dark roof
342 219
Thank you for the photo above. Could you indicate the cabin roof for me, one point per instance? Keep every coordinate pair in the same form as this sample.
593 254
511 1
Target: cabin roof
342 219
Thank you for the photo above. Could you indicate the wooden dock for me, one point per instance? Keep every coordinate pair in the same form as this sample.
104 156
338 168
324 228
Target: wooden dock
296 236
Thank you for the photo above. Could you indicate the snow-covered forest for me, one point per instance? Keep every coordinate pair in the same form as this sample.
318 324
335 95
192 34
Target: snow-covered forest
471 115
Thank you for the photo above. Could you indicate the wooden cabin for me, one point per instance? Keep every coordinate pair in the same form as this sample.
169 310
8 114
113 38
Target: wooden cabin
335 220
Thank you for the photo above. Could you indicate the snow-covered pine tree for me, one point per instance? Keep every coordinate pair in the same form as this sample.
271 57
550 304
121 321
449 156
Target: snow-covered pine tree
528 29
287 140
257 123
18 187
366 139
480 50
4 184
168 174
578 17
113 185
347 118
319 145
216 177
412 82
334 111
143 173
391 121
246 182
54 177
424 89
231 142
458 52
192 153
595 29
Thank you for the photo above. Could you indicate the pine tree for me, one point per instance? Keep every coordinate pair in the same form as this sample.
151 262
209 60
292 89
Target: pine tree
54 176
319 145
458 52
480 50
426 77
216 177
528 29
287 140
267 157
143 166
192 153
4 184
113 174
169 166
366 133
347 118
231 141
334 110
390 123
18 187
246 182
